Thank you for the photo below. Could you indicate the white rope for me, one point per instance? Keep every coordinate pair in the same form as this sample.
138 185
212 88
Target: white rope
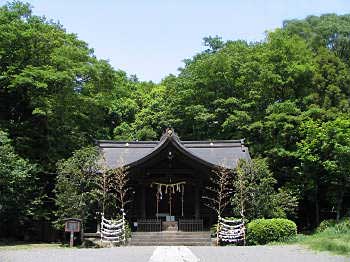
111 226
232 231
169 188
231 226
111 238
236 240
113 231
230 221
107 221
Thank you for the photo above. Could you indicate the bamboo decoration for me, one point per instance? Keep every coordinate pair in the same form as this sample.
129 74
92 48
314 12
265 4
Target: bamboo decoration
219 193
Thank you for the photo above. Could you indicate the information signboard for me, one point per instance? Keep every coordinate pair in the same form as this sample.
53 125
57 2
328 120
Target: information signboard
72 225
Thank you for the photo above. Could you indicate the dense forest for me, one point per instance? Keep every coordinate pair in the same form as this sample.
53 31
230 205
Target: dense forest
288 95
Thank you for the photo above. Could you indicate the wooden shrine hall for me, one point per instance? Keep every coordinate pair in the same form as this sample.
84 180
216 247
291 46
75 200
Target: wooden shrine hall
169 178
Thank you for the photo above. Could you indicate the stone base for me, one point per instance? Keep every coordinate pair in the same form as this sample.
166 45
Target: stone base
170 226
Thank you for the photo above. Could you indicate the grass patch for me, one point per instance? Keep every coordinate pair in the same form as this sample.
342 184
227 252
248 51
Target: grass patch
335 239
335 242
18 245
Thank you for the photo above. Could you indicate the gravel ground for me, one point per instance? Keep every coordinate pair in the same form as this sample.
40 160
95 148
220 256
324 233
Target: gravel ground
264 254
143 254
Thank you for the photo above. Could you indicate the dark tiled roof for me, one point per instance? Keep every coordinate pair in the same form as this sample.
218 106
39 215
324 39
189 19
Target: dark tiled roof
224 153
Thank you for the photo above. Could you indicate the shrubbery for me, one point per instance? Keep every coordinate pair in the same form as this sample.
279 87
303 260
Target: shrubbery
330 236
331 224
262 231
255 185
326 224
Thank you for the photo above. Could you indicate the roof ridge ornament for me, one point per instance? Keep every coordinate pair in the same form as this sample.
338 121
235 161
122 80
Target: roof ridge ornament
169 133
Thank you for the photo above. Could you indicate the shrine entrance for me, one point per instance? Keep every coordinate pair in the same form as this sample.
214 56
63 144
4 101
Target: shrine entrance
169 202
171 205
168 195
169 179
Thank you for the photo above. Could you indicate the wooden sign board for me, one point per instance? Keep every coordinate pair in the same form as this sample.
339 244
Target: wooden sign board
72 226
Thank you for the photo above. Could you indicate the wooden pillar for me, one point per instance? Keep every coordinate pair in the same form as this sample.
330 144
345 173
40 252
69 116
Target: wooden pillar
196 201
143 201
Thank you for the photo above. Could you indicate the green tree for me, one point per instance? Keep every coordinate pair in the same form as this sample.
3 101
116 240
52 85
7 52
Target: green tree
52 87
276 137
325 156
328 30
21 198
255 195
79 190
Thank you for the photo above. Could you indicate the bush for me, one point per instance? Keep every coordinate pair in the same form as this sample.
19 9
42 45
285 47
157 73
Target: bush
263 231
325 224
342 226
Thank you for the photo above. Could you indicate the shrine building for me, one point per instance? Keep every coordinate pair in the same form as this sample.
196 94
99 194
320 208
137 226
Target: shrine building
169 178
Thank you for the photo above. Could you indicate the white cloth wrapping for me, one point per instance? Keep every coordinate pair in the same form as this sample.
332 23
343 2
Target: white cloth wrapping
223 225
112 230
232 231
235 240
230 221
112 238
112 233
112 226
111 222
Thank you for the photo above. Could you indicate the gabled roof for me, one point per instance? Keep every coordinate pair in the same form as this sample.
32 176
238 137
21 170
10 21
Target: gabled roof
223 153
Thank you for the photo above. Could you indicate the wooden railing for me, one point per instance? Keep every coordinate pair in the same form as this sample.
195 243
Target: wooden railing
191 225
155 225
149 225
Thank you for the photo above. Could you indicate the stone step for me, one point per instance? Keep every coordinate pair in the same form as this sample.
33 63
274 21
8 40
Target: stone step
167 233
166 238
172 233
171 238
206 243
174 236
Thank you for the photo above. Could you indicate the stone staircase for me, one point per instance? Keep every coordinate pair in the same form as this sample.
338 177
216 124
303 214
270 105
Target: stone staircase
170 238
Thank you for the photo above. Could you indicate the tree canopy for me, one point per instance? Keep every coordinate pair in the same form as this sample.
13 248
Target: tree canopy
287 95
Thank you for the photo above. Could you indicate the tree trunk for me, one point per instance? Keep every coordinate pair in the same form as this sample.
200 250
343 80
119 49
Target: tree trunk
317 207
339 203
